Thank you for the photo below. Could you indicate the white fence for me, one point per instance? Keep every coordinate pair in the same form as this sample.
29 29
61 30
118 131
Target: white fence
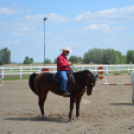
21 71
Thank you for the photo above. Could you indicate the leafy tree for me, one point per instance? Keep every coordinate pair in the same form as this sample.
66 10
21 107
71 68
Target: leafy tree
130 56
73 59
47 61
5 56
93 56
102 56
121 58
124 59
112 57
86 59
109 57
79 59
55 60
28 60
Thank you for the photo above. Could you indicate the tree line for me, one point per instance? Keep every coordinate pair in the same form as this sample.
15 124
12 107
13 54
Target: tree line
92 56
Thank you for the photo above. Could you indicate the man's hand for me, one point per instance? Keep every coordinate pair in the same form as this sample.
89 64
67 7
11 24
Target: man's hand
70 63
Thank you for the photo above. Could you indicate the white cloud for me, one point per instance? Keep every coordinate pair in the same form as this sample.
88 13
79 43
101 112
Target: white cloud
9 11
17 28
103 28
13 42
16 33
100 27
4 26
114 41
108 15
52 17
119 28
12 10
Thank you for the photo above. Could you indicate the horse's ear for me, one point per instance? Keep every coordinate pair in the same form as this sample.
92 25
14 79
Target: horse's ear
96 76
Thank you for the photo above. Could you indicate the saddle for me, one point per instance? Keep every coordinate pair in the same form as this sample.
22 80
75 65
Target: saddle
55 78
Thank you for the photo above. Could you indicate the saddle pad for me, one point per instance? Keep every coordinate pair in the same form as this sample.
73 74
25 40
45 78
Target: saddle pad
54 78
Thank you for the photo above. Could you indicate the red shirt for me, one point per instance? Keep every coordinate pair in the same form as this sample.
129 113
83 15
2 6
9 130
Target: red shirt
62 63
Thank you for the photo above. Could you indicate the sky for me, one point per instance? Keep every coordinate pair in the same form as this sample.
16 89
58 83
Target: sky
79 24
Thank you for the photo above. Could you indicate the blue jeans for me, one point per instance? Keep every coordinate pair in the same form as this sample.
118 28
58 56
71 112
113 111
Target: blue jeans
63 75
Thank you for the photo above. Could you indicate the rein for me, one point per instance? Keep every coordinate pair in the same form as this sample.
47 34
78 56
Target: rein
73 66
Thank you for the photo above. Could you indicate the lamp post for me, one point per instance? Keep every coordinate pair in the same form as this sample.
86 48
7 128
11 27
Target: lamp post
44 39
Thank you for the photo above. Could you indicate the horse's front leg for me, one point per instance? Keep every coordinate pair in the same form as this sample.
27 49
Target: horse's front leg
72 99
78 100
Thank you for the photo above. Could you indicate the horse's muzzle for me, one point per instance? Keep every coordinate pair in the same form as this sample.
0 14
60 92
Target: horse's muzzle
88 94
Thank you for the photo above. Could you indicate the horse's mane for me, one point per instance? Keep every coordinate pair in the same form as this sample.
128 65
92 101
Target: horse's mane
84 72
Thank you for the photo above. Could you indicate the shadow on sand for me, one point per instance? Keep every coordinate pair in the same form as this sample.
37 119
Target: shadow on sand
50 119
122 104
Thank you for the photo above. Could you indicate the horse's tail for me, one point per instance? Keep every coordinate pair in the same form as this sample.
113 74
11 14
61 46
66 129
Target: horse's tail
31 82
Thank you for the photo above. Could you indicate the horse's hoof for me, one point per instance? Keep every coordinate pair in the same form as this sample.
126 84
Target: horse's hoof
43 117
70 120
78 117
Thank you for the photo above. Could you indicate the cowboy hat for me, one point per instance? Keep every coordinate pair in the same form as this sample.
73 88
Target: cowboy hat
66 49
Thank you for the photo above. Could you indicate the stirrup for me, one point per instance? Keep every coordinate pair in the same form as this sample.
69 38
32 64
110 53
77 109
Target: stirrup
66 93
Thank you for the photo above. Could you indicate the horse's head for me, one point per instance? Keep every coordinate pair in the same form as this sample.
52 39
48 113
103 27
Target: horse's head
90 81
91 84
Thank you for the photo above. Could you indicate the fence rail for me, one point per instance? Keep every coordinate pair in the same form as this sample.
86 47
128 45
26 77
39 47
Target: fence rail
22 71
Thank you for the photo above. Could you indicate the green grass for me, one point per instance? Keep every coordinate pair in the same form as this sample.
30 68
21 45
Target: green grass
14 78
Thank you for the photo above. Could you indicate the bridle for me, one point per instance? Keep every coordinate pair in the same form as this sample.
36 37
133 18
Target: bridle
73 66
91 84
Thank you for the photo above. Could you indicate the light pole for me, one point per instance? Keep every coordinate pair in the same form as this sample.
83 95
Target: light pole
44 39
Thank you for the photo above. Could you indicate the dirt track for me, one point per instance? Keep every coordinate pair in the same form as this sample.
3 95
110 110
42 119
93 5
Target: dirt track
108 111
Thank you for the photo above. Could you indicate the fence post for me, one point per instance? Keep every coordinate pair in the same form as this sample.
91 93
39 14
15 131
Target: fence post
38 69
107 70
119 69
95 70
106 73
128 68
2 72
20 73
11 69
106 79
0 76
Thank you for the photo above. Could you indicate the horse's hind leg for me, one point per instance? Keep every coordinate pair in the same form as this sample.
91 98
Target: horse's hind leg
41 105
42 99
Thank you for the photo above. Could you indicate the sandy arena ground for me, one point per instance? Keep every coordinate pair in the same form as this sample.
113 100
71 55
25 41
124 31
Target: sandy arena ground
109 110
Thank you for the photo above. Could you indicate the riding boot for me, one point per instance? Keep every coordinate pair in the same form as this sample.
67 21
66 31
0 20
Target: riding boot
66 93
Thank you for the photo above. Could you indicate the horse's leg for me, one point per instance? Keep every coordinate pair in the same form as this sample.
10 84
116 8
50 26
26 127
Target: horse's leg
132 82
42 99
78 100
133 95
72 99
41 105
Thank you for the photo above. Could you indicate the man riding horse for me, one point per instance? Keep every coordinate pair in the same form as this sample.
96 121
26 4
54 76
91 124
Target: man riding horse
63 66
